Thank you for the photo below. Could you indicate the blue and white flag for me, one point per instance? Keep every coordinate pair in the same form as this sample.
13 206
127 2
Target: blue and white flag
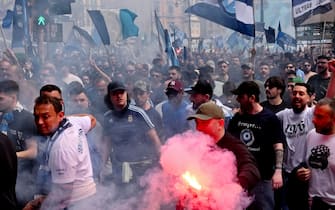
285 39
173 59
237 15
114 24
304 9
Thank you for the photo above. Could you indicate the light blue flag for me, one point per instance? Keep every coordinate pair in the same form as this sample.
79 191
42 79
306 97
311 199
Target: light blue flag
237 15
127 18
173 59
285 39
114 25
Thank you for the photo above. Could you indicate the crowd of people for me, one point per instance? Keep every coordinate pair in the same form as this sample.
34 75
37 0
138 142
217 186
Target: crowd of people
78 122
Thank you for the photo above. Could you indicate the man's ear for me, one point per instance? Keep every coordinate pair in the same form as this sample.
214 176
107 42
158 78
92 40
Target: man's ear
252 97
61 114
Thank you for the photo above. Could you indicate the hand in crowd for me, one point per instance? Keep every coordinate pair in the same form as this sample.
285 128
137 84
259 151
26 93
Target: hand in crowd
331 65
92 62
35 204
303 174
277 179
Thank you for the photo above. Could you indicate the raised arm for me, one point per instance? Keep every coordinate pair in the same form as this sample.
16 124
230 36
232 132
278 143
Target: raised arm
101 72
92 118
331 86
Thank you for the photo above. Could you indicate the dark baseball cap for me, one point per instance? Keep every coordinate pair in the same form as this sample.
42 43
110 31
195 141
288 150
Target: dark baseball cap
247 87
202 87
114 86
207 111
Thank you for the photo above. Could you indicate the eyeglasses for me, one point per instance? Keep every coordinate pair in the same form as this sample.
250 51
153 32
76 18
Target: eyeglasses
289 67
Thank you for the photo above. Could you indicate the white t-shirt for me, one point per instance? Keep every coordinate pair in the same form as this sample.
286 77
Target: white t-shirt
295 127
69 159
320 158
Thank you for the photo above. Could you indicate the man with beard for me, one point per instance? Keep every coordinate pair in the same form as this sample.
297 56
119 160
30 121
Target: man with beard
317 169
296 122
274 90
320 157
307 68
320 81
261 131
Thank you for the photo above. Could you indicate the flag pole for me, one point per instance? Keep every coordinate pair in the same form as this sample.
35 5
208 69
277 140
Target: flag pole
27 39
158 34
253 50
4 38
323 36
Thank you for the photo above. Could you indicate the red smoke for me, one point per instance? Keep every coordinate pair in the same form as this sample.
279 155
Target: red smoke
214 169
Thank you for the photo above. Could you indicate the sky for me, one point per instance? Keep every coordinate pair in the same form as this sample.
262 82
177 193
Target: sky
275 11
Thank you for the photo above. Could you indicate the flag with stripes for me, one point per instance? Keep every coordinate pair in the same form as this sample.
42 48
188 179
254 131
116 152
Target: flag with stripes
237 15
114 24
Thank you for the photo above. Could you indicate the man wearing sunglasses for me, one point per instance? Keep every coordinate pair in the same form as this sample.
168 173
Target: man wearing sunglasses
320 81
